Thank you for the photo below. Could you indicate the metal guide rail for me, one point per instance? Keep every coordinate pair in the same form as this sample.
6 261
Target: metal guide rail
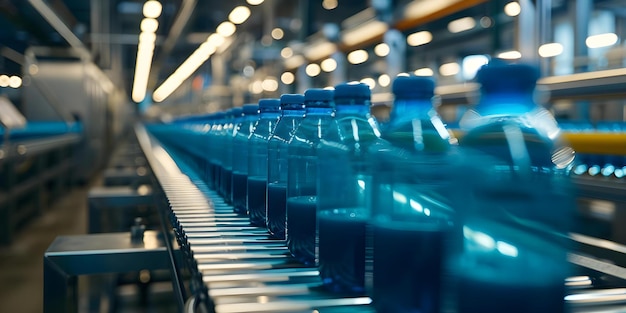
235 267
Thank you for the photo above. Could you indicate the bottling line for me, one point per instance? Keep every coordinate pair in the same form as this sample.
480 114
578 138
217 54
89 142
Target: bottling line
125 96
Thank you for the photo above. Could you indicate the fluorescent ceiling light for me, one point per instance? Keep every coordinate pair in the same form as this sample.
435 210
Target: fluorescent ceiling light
254 2
384 80
510 55
364 32
256 87
424 71
270 84
419 38
215 40
239 15
461 25
449 69
15 82
152 9
381 49
294 61
286 52
318 51
4 80
287 78
601 40
329 65
149 25
226 29
330 4
471 65
312 70
550 49
358 56
277 33
512 9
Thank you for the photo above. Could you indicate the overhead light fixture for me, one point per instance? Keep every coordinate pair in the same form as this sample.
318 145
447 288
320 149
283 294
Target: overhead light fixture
287 78
424 71
152 9
550 50
294 62
449 69
369 81
512 9
384 80
419 38
328 65
358 56
184 71
4 80
270 84
461 25
256 87
286 52
254 2
364 32
239 15
15 82
330 4
472 63
312 70
149 25
277 33
381 49
226 29
320 50
510 55
601 40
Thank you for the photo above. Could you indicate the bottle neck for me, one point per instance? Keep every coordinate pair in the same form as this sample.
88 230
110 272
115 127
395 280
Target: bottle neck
293 112
362 110
410 109
269 115
505 103
318 111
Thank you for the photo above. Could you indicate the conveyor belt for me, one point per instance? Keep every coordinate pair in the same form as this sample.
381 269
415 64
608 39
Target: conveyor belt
241 270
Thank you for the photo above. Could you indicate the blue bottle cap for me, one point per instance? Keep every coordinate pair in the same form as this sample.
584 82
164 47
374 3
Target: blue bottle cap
236 112
291 99
250 109
315 97
269 105
503 78
413 87
352 93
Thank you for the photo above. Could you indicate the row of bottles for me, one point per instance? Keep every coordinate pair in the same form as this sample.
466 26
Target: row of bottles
407 213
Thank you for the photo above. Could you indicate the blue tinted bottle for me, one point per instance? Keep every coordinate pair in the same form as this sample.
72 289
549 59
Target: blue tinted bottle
302 173
239 181
344 175
292 112
269 114
411 212
213 152
516 213
226 153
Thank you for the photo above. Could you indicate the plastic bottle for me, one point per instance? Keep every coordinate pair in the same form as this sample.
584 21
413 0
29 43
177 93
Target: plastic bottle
212 152
343 179
411 213
241 133
302 173
226 153
514 200
292 113
269 114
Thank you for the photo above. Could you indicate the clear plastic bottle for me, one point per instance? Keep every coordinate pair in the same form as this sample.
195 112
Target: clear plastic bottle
241 133
344 175
292 113
212 151
515 214
302 173
226 153
269 114
411 212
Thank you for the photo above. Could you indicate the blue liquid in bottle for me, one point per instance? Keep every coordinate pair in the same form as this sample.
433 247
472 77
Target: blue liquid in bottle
213 151
410 211
302 173
292 108
226 175
344 174
517 212
239 157
269 114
